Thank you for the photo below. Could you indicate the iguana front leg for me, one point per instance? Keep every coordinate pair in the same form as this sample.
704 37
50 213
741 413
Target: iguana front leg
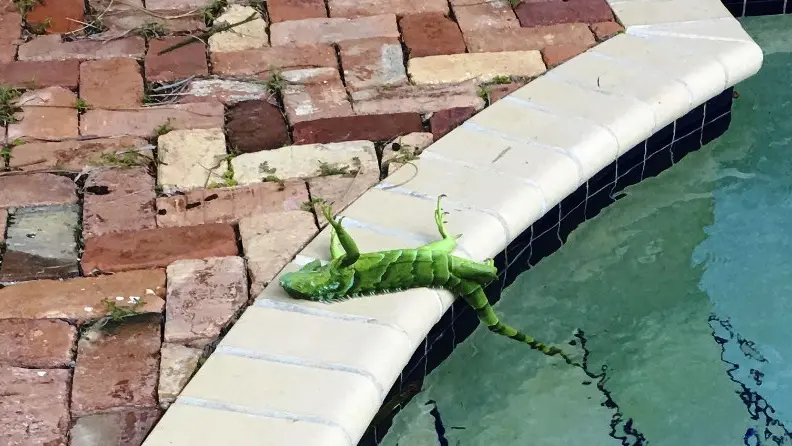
336 250
343 238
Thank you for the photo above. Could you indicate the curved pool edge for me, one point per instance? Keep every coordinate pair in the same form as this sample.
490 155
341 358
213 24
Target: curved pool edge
297 373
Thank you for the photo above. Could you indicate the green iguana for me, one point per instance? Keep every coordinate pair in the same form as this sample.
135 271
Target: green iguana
352 274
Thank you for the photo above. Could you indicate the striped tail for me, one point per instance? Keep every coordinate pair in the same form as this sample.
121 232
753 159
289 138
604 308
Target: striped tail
475 297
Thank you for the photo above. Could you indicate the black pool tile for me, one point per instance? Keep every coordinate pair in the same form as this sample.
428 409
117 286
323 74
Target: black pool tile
690 122
716 128
720 104
689 143
547 221
573 212
417 362
660 140
599 200
543 245
735 8
605 177
767 7
465 325
788 8
439 350
658 162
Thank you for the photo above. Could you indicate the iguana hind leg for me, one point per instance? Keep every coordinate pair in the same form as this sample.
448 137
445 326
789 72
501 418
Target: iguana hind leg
347 244
336 250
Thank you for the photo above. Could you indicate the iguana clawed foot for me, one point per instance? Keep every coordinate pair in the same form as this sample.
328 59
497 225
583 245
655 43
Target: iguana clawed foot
440 221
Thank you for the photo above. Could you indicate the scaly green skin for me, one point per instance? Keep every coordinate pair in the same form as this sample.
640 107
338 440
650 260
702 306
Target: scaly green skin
351 274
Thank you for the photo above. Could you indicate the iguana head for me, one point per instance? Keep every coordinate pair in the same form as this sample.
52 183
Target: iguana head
318 282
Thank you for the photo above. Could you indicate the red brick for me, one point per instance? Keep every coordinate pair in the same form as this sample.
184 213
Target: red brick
81 299
180 63
10 28
525 39
500 91
155 248
557 54
34 406
431 34
47 113
7 53
485 16
72 155
332 30
116 200
38 189
228 205
127 427
370 63
144 121
416 98
352 128
27 74
36 343
283 10
50 47
314 93
605 30
256 125
260 62
117 368
111 83
363 8
552 12
58 12
444 121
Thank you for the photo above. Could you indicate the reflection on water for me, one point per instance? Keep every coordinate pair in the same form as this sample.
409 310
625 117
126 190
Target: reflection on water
683 291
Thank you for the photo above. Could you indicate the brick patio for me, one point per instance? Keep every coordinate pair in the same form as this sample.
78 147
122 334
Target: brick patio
146 199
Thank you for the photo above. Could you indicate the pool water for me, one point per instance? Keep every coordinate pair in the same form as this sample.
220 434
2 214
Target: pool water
683 289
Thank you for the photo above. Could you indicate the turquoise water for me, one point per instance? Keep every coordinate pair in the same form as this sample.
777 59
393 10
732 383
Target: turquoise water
683 289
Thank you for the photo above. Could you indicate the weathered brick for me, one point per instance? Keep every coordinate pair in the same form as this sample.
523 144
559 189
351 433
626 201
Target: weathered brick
38 189
111 83
522 39
177 365
7 53
130 15
416 98
203 297
444 121
189 60
56 14
36 343
497 92
48 113
252 34
605 30
228 205
486 15
176 5
117 368
340 190
50 47
352 128
256 125
73 155
372 63
116 200
156 248
314 93
144 121
27 74
333 30
283 10
431 34
127 427
362 8
41 243
557 54
304 161
191 158
34 406
563 11
228 92
260 63
10 28
82 299
481 66
271 240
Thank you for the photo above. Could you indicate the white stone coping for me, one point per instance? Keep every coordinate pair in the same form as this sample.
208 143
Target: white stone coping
297 373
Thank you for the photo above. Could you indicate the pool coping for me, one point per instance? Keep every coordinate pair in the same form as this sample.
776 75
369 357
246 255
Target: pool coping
297 372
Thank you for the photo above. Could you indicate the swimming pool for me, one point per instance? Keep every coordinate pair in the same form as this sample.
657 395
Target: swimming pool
681 289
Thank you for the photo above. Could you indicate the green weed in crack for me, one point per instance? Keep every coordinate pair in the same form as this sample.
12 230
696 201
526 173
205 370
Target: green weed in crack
25 6
152 30
213 10
82 106
8 106
227 178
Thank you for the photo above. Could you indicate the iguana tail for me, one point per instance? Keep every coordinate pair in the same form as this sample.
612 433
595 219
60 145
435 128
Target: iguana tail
474 295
